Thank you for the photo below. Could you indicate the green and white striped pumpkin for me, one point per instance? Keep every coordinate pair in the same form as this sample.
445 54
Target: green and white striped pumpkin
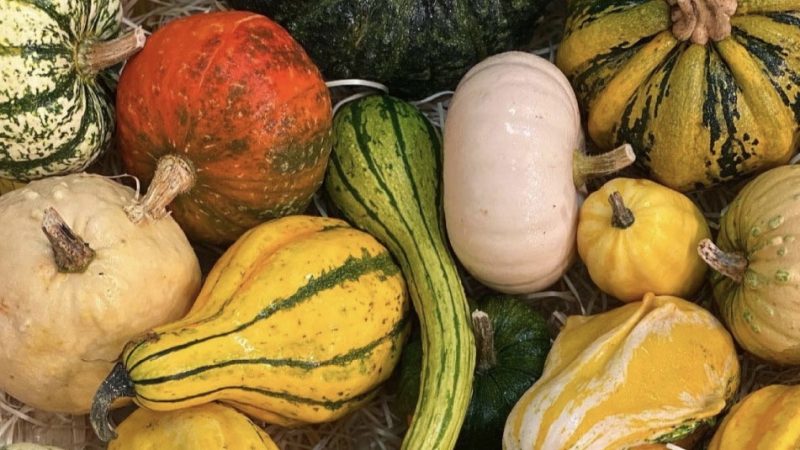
56 103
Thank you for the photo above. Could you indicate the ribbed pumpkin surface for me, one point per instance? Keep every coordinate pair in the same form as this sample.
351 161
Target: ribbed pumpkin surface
237 97
695 114
54 118
299 321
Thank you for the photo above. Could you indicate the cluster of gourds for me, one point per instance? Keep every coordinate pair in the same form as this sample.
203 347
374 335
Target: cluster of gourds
228 122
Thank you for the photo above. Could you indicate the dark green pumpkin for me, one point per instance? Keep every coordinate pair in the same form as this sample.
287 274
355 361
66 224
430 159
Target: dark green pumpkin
416 48
521 343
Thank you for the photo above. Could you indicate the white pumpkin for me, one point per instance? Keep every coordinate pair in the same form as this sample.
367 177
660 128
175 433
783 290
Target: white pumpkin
61 332
513 169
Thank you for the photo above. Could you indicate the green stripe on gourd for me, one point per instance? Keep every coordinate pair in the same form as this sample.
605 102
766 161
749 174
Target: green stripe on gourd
56 105
384 177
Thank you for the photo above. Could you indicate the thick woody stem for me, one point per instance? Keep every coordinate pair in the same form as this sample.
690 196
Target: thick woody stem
72 254
174 176
98 55
622 217
701 20
585 166
484 339
732 265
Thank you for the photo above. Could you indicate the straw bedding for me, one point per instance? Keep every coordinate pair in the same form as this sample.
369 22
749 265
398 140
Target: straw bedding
375 426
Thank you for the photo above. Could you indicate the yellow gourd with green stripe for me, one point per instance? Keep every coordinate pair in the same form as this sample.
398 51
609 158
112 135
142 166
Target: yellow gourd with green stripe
300 321
767 419
210 426
645 373
705 91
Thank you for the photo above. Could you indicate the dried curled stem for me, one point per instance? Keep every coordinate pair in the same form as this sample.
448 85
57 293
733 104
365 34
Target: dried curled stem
701 20
174 176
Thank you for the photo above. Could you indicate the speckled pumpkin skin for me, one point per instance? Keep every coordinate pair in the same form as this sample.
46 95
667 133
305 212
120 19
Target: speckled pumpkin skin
240 99
762 224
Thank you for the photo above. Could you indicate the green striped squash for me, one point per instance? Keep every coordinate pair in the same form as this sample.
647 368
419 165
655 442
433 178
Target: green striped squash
700 105
56 99
300 321
384 176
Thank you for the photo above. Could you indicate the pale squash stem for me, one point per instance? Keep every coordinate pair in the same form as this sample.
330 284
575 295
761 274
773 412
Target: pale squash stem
586 166
701 20
174 175
622 217
732 265
98 55
484 340
72 254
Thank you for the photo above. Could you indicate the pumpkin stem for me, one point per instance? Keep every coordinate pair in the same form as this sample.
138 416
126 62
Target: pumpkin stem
174 175
590 166
98 55
622 216
700 20
732 265
116 385
484 339
72 254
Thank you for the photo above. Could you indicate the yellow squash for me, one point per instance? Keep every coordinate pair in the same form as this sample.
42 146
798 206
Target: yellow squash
767 419
205 427
636 236
300 321
704 90
645 373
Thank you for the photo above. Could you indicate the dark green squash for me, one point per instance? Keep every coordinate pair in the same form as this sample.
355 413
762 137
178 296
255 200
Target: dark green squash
521 344
416 48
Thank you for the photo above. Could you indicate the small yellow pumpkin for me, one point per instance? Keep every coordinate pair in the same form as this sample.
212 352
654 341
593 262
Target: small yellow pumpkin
209 426
767 419
637 236
647 372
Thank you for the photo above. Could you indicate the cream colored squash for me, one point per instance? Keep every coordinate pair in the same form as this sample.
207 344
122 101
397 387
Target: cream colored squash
648 372
61 331
514 167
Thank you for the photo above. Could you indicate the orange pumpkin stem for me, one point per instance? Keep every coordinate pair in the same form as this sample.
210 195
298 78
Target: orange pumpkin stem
732 265
701 20
99 55
72 254
484 339
590 166
622 217
174 176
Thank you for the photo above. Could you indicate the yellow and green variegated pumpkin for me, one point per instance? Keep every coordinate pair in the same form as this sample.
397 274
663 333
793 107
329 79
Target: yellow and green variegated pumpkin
645 373
56 99
704 90
757 265
767 419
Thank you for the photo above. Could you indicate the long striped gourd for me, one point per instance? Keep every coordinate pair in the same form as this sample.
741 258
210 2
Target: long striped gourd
385 177
56 98
701 101
300 321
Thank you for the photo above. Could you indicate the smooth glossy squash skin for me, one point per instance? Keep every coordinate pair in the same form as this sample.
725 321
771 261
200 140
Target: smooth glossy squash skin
56 110
644 373
210 426
761 225
695 114
415 47
654 249
234 95
300 321
384 176
521 342
767 419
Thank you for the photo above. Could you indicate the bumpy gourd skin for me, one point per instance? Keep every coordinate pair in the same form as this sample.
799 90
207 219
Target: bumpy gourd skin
761 224
646 372
300 321
204 427
767 419
696 115
656 253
